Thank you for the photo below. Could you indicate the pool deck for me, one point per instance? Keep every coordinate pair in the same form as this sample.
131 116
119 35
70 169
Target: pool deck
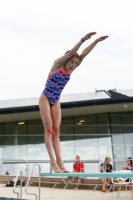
63 194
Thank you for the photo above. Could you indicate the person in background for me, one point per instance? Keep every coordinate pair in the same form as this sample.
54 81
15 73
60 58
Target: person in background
106 167
78 166
128 165
7 173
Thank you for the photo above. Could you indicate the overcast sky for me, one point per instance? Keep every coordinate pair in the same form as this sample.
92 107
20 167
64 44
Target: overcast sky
33 33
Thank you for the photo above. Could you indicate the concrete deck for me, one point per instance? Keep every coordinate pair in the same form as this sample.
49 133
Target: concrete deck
61 194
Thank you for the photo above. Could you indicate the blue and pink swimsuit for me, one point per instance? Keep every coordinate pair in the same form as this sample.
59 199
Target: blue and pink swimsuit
55 84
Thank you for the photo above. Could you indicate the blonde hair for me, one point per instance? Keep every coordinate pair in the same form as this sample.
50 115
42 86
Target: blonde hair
107 158
76 55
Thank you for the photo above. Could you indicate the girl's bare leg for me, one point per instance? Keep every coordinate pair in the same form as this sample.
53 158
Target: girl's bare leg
103 184
78 182
109 182
47 122
56 119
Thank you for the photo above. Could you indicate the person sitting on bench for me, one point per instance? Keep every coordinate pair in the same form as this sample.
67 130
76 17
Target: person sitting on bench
78 166
106 166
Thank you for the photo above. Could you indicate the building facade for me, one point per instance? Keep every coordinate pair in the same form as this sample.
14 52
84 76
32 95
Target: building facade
94 125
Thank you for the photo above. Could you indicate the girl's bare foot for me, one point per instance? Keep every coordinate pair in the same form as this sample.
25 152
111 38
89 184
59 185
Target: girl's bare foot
56 168
62 167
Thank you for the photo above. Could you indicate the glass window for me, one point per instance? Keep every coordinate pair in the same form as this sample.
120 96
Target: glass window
105 151
10 128
1 140
88 140
119 157
90 136
104 140
1 129
66 127
117 139
10 140
35 122
67 121
103 130
85 120
128 139
87 152
14 152
127 122
13 128
35 127
22 140
85 127
67 152
103 124
21 152
119 152
1 143
115 123
22 129
37 152
14 147
1 153
129 151
35 139
67 140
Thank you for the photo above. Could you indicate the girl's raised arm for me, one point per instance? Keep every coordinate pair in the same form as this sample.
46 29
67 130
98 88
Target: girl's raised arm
88 49
58 62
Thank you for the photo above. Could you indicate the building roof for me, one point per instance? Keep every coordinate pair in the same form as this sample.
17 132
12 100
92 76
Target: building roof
99 95
94 102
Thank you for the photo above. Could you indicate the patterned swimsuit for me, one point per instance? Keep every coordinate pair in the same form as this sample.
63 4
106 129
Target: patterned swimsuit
55 84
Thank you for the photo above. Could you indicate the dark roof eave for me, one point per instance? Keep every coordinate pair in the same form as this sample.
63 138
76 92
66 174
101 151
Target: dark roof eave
97 102
66 105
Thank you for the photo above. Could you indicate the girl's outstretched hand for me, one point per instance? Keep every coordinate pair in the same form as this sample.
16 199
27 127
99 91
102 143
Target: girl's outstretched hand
101 38
88 35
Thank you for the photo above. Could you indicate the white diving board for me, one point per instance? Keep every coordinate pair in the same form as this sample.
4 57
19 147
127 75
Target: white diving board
98 174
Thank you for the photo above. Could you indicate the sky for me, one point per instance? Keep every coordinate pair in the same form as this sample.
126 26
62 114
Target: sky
34 33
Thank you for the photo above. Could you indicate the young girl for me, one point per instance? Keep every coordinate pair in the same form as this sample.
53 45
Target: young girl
106 167
128 165
49 104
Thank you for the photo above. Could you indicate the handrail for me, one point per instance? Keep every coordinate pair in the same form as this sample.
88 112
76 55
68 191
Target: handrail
20 185
38 182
